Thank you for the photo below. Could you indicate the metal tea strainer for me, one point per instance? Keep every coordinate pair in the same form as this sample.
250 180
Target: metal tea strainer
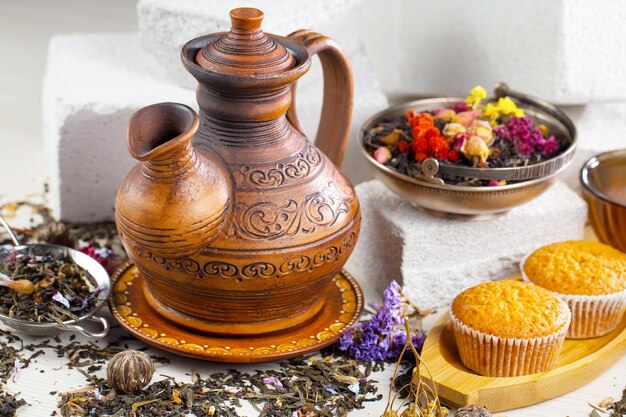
96 273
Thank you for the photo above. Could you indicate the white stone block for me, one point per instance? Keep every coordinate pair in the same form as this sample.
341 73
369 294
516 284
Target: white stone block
94 83
435 258
600 128
566 51
368 100
166 25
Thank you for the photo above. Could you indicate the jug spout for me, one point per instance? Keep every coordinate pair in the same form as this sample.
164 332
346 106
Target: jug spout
176 199
160 136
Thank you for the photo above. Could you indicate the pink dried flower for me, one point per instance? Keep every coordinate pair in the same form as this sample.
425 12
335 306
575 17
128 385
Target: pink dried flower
459 107
520 132
102 255
382 155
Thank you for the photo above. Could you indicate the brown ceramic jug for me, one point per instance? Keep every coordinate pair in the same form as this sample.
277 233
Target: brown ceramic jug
236 221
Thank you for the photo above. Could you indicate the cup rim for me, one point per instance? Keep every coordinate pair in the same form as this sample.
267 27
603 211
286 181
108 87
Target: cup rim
591 164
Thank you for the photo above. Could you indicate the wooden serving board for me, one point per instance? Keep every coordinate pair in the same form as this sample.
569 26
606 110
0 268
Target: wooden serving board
580 362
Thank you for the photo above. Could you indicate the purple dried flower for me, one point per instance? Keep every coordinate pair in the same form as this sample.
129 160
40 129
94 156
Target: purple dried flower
328 388
58 297
392 297
549 147
16 369
459 107
272 381
345 341
383 336
520 132
385 319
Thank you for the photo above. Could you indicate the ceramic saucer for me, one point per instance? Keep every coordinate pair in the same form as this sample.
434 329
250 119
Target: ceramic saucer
130 308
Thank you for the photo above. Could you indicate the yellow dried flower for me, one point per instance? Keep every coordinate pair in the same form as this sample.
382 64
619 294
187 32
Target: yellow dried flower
453 129
392 138
477 94
475 146
504 107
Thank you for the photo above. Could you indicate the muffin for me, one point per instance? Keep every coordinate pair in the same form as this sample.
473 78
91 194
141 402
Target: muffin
589 276
509 328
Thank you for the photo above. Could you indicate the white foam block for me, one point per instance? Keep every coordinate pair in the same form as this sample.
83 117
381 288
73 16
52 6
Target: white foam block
566 51
600 128
368 100
166 25
435 258
94 83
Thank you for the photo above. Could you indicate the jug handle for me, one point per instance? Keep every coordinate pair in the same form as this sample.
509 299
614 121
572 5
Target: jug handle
334 126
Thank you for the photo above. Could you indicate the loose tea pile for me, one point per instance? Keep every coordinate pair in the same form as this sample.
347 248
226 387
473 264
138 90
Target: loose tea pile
494 135
9 404
11 362
54 289
610 408
305 387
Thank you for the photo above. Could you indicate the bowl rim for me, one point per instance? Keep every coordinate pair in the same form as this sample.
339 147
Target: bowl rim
591 164
464 188
567 153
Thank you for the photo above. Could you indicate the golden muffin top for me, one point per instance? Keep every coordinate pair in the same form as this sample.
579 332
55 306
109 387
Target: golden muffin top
511 309
578 268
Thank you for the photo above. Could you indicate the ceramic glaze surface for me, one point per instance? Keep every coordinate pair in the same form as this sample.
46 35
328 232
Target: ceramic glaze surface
237 222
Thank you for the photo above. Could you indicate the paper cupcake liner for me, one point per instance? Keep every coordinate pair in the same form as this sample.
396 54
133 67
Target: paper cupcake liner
592 315
495 356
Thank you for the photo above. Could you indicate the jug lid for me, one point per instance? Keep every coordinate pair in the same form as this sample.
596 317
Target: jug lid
246 50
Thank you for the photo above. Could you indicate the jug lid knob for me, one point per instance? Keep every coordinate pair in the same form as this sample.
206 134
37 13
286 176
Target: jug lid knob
245 51
246 18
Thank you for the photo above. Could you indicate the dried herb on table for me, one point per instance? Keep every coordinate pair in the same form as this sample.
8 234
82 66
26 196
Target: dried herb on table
608 405
57 290
11 361
8 356
324 387
9 404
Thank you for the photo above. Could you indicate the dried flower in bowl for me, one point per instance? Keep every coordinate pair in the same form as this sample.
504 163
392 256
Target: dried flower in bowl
473 133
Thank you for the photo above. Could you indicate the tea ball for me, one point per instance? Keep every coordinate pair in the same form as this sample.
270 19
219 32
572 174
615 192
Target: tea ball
472 411
54 233
130 371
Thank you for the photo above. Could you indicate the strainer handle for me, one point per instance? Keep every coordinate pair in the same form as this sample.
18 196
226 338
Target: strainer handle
9 231
93 335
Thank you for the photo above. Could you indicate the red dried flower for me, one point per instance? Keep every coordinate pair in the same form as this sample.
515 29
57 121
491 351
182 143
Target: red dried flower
427 139
453 156
431 133
420 156
441 153
403 146
424 121
410 113
420 144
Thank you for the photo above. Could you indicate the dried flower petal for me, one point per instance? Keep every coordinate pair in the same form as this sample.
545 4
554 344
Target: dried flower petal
382 155
272 381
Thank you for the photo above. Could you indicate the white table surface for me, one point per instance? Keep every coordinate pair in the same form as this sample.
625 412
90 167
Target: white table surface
35 386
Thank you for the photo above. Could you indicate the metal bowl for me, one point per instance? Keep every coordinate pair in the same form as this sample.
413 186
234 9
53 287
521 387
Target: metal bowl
98 278
603 178
434 195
